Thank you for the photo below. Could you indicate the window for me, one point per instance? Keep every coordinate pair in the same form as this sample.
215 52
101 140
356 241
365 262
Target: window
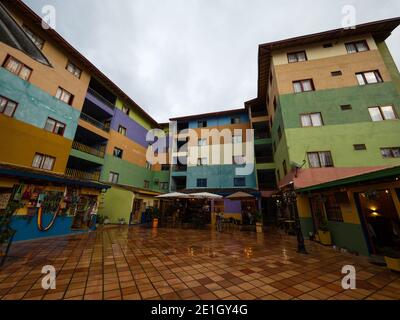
18 68
332 209
239 182
122 130
201 183
279 133
113 177
297 56
368 77
125 110
382 113
284 166
235 120
42 161
327 45
359 46
202 161
320 159
360 147
7 106
202 124
146 184
336 73
391 152
54 126
38 41
64 96
303 85
73 69
165 167
118 153
164 185
312 120
202 142
237 139
148 165
346 107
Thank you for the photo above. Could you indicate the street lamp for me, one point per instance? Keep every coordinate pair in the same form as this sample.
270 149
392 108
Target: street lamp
290 198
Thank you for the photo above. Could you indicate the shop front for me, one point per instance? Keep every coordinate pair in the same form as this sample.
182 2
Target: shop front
36 204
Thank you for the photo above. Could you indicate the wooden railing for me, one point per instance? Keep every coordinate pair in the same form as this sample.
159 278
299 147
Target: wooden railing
83 175
95 122
98 152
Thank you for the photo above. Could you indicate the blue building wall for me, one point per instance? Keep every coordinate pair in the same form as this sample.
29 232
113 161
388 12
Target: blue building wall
35 105
219 121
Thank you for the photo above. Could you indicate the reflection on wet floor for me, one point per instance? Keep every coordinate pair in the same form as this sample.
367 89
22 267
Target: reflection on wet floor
138 263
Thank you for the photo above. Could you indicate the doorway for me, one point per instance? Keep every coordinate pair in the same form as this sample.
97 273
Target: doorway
380 220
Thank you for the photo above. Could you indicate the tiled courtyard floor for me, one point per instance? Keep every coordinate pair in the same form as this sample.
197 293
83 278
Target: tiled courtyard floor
170 264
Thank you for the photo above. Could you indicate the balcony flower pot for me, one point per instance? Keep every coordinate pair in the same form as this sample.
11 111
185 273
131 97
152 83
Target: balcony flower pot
155 223
325 237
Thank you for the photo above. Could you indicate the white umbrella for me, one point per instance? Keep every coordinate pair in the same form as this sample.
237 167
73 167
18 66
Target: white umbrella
176 195
205 195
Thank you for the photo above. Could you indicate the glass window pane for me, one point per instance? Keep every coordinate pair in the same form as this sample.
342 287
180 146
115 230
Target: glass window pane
351 48
306 120
301 56
37 160
326 159
361 46
313 158
307 85
360 79
49 126
370 77
396 152
292 57
297 87
10 108
59 128
25 73
386 153
375 114
388 113
48 163
316 120
12 65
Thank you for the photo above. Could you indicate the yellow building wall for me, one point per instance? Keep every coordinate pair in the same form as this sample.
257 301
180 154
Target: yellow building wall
19 148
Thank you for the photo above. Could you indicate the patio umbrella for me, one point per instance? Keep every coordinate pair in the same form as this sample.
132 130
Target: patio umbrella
241 196
205 195
174 195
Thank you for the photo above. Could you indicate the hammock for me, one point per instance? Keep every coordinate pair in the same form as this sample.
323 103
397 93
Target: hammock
40 220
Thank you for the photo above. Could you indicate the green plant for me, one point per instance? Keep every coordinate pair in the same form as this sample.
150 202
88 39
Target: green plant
258 216
5 221
100 219
155 214
324 226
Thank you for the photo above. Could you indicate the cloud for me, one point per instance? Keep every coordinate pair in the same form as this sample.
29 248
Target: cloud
181 57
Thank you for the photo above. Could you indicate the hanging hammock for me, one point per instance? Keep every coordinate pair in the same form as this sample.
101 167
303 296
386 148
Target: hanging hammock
40 220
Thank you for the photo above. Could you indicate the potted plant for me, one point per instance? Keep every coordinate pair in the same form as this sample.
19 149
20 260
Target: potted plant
392 259
259 222
155 215
324 234
106 220
121 221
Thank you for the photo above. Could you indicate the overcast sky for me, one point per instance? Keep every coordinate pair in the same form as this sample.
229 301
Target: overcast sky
181 57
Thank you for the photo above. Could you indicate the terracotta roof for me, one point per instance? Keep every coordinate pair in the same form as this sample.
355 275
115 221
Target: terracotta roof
380 30
90 67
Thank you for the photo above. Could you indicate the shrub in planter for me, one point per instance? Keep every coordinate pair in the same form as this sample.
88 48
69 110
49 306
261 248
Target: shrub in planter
259 222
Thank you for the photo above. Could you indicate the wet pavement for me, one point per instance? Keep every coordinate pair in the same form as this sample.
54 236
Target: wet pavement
171 264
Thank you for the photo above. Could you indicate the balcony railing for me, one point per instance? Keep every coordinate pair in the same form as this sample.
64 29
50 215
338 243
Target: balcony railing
95 122
179 168
265 159
98 152
101 98
83 175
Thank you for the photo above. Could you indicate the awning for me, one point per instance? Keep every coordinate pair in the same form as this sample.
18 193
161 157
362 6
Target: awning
205 195
34 174
174 195
241 196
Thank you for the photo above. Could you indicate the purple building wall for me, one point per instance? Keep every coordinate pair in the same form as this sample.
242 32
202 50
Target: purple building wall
134 131
233 206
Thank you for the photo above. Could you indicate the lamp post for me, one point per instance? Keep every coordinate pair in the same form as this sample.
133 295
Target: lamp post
290 198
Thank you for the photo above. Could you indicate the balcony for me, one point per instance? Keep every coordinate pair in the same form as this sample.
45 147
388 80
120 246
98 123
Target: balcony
96 98
103 126
98 152
179 168
83 175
